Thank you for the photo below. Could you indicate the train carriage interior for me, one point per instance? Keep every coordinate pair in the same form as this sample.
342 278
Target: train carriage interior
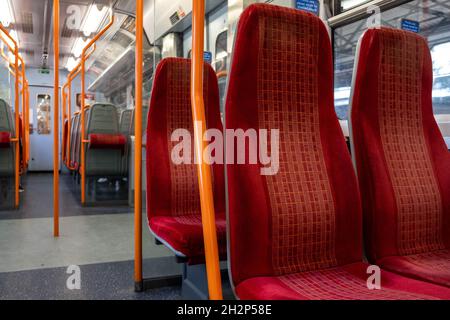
225 149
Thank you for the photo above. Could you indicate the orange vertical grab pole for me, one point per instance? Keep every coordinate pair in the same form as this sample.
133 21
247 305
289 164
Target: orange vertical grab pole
203 169
63 122
71 76
56 119
138 150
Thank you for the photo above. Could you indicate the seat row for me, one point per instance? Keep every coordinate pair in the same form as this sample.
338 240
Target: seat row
7 133
105 146
299 234
111 131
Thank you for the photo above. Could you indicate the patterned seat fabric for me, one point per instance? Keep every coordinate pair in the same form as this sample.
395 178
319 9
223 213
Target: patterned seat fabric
173 199
294 233
341 283
402 160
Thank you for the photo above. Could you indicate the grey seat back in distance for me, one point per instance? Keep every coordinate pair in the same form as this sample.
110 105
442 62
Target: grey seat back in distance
103 119
125 129
73 138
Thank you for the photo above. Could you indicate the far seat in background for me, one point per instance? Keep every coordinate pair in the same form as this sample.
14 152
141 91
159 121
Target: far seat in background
7 155
125 129
106 147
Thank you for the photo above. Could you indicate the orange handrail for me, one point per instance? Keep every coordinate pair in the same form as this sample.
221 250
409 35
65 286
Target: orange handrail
138 280
25 117
68 104
83 93
16 110
56 119
203 169
222 74
5 57
27 100
24 92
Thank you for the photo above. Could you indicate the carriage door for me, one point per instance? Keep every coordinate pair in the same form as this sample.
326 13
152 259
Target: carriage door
41 128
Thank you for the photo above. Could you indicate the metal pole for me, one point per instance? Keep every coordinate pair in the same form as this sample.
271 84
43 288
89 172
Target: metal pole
203 169
138 149
56 119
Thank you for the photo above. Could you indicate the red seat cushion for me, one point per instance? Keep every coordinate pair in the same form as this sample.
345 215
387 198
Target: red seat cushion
401 156
184 234
107 141
5 139
431 266
342 283
172 189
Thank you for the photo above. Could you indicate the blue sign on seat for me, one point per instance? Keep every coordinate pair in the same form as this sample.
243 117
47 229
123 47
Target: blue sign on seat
207 56
308 5
410 25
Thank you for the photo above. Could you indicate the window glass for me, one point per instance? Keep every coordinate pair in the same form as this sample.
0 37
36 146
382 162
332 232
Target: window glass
434 19
221 66
44 110
5 85
348 4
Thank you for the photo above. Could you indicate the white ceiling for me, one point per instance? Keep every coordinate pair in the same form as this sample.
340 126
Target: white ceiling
35 30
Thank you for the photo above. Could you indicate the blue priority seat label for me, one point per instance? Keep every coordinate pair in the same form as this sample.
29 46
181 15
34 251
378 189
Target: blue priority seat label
410 25
312 6
207 56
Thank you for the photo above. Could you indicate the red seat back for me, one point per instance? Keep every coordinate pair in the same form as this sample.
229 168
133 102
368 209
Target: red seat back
172 189
5 139
307 216
402 160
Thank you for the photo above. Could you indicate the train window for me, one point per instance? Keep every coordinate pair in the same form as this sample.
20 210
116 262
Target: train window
344 5
43 114
221 66
221 51
5 84
434 19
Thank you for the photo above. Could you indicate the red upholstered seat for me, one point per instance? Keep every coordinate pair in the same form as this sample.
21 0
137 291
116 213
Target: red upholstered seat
173 200
402 160
348 282
184 234
296 234
107 141
5 139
